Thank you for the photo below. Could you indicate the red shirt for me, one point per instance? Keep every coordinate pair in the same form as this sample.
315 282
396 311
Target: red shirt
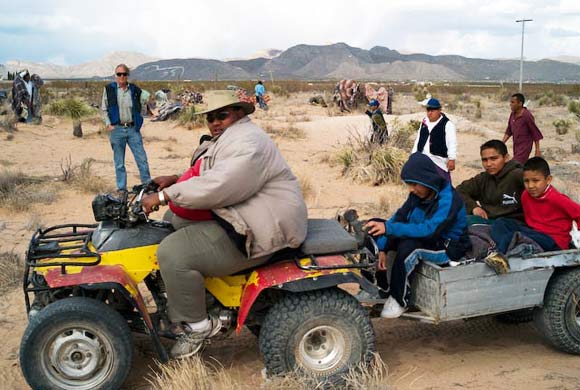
191 214
524 131
552 214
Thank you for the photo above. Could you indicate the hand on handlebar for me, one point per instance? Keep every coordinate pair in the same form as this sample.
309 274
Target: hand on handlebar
165 181
150 202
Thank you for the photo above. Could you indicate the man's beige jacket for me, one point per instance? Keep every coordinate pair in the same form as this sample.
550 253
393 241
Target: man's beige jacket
245 180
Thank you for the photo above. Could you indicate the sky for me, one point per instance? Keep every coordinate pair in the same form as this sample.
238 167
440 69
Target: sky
68 32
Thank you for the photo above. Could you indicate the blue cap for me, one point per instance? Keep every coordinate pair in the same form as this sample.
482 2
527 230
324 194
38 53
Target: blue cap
433 103
374 102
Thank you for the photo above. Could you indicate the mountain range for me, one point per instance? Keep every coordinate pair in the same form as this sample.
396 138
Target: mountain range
323 62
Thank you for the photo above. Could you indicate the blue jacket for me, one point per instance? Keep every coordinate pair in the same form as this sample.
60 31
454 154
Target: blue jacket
440 220
260 90
113 105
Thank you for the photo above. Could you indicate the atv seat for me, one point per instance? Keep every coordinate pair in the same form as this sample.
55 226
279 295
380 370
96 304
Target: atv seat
327 236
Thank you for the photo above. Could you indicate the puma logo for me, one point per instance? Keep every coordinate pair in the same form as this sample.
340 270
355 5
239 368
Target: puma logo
508 200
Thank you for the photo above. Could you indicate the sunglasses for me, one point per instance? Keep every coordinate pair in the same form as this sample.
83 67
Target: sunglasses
220 116
120 74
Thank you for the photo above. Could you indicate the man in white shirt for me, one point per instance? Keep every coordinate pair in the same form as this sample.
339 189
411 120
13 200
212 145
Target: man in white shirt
437 138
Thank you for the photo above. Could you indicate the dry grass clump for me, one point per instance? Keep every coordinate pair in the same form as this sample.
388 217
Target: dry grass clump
289 131
82 176
306 187
11 271
194 373
18 191
366 162
7 119
34 223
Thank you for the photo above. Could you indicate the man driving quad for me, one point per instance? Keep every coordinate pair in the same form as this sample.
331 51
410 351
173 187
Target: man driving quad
236 205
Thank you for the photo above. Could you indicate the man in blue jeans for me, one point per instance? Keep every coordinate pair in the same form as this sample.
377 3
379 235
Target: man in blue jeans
121 107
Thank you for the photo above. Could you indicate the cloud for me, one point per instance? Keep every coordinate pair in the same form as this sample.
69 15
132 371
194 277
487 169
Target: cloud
75 32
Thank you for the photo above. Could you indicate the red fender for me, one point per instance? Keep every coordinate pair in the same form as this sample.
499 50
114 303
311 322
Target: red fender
277 274
101 275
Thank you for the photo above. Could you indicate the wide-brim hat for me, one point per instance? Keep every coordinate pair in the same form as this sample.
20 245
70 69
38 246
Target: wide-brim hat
214 100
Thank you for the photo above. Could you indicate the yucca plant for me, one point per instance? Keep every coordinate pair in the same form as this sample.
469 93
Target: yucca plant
74 109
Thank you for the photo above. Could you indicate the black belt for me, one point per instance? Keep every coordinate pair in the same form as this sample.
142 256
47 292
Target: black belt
127 124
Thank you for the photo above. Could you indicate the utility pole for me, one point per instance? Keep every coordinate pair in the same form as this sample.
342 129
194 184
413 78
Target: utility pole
523 22
271 78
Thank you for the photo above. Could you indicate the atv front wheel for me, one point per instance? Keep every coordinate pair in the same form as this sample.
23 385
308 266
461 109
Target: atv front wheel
320 333
75 344
559 318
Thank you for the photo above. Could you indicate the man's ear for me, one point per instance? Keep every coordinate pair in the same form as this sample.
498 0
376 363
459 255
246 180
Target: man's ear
549 179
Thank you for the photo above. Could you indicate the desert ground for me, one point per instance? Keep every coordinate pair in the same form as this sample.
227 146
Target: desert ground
476 354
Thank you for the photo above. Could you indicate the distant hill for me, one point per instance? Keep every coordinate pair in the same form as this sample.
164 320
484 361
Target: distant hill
102 67
319 62
569 59
337 61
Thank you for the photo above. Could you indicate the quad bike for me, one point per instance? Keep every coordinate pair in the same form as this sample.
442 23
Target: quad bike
88 287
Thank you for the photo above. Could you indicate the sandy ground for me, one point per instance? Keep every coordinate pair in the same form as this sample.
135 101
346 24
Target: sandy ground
475 354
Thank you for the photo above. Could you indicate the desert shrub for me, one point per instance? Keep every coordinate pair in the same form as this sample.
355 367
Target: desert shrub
82 176
280 91
562 126
402 136
420 92
577 135
550 98
73 108
366 162
7 119
574 107
11 271
188 119
478 109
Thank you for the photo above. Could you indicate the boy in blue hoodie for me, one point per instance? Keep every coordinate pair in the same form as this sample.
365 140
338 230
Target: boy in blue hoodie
431 225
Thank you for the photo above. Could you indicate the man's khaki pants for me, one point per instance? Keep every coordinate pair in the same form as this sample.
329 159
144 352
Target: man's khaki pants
196 250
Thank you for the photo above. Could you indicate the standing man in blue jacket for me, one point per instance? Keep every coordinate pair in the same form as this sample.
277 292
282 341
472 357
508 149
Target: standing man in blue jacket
260 91
121 106
431 225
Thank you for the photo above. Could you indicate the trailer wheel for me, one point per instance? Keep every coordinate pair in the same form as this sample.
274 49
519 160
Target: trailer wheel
559 318
75 344
321 334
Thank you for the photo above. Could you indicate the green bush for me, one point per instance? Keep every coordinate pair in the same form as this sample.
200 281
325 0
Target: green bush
562 126
574 107
72 108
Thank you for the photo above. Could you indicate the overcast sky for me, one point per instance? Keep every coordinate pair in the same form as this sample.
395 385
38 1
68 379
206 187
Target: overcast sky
76 31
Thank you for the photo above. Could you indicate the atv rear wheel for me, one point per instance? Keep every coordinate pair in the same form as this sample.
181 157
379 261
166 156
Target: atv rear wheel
76 343
559 318
320 333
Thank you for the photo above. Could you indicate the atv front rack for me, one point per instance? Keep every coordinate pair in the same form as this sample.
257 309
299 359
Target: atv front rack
52 244
62 242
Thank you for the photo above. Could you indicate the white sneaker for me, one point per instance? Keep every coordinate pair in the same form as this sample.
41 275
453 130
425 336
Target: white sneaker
392 309
190 342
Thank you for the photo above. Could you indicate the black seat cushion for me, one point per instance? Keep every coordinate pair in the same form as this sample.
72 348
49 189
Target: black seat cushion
327 236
